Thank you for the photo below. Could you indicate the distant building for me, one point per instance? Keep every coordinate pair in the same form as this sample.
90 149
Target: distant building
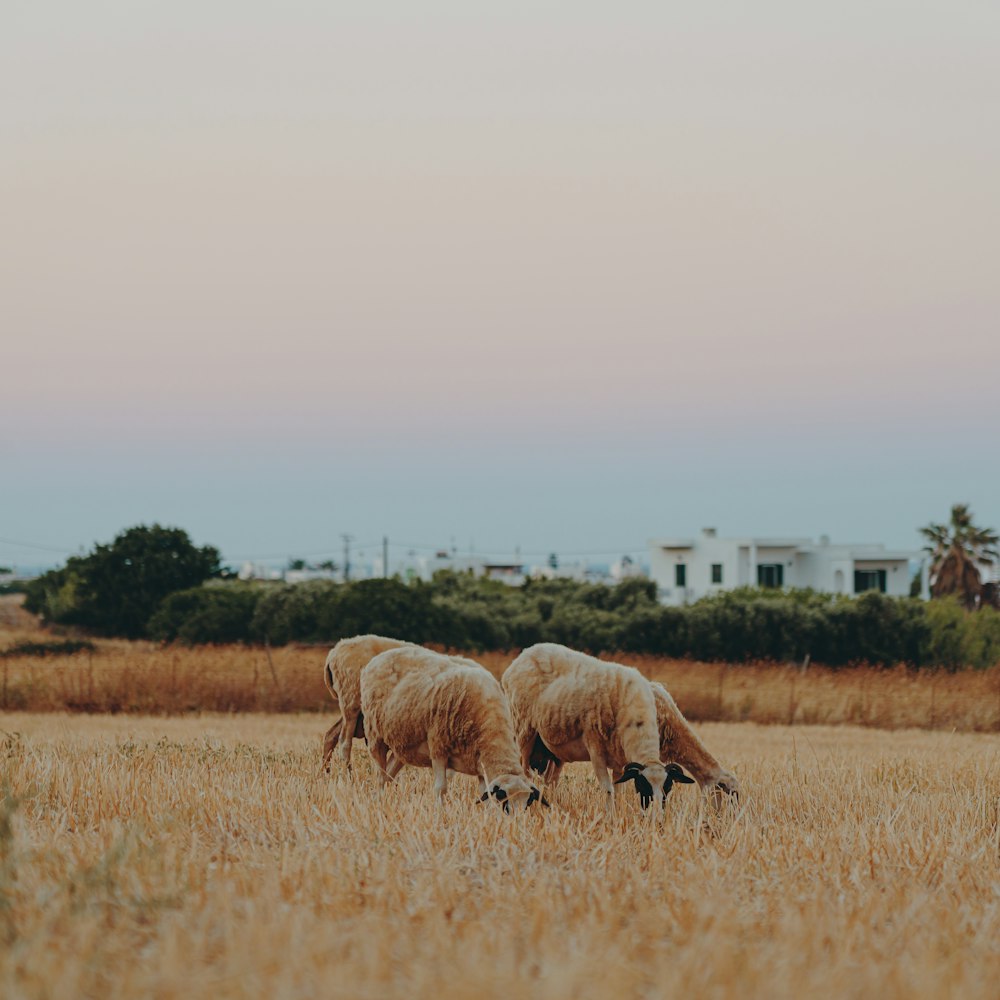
509 573
625 568
686 569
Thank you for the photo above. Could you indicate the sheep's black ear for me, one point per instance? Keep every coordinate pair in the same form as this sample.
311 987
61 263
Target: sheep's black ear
506 807
630 773
674 773
484 796
499 793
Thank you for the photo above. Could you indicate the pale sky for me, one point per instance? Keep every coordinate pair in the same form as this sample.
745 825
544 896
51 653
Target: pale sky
562 276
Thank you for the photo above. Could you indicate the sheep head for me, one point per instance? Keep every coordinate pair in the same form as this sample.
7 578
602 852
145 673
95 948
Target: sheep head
651 780
514 790
724 784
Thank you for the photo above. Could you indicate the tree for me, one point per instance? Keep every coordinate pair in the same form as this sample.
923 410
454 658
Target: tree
957 550
116 588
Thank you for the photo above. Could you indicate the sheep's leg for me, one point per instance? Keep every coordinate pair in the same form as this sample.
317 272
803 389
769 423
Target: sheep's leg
616 773
347 726
600 765
330 740
380 753
395 766
440 767
525 744
553 772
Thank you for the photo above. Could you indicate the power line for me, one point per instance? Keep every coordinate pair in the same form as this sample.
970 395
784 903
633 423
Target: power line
624 550
37 545
374 544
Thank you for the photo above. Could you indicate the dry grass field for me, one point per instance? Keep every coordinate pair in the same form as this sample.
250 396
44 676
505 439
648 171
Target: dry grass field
203 856
120 676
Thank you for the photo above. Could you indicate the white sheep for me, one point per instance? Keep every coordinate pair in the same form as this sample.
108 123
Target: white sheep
442 712
342 677
679 743
568 707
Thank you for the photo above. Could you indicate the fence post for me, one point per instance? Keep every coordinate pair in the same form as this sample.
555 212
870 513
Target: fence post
932 720
996 670
270 663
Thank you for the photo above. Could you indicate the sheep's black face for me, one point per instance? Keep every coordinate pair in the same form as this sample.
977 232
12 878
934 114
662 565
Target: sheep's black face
647 779
529 793
501 796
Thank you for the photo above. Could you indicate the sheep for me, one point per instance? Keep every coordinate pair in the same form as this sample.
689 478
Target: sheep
568 707
342 677
437 711
679 743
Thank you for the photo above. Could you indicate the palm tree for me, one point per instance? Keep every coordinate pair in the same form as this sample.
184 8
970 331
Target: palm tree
957 551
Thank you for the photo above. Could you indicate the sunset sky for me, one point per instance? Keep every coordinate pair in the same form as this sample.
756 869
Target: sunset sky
557 276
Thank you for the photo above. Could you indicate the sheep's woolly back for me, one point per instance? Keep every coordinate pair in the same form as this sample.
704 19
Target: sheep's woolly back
679 744
412 697
344 663
562 694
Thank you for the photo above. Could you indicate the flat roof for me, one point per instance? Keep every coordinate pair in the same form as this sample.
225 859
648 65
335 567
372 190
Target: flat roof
766 543
888 555
858 551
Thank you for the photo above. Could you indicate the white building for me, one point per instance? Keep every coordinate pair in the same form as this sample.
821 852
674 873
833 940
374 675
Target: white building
686 569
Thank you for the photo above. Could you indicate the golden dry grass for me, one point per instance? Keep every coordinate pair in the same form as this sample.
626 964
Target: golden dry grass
204 857
143 677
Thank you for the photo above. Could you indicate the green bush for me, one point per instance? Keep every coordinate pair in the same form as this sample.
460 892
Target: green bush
288 612
219 613
117 588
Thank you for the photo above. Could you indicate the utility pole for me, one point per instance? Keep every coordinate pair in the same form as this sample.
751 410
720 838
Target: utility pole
347 555
385 556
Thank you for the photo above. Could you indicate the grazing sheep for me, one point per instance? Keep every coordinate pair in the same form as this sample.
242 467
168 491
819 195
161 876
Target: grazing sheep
568 707
679 743
442 712
342 677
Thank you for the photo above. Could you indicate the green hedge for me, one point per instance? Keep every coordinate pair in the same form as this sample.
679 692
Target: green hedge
460 612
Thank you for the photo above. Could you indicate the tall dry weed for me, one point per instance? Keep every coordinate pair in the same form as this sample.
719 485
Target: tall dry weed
141 677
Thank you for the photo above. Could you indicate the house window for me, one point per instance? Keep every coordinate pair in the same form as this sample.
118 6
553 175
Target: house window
680 575
770 575
869 579
716 572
